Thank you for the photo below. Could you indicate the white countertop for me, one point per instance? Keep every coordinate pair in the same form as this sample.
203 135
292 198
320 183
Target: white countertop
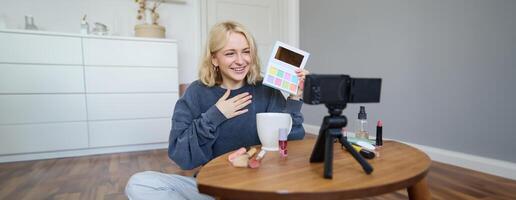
36 32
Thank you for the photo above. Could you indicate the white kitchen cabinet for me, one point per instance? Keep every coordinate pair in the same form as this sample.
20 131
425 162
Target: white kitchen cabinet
66 94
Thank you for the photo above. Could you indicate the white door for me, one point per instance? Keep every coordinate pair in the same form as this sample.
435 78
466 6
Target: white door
268 20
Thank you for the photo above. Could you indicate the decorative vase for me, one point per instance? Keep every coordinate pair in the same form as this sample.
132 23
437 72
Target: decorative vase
149 30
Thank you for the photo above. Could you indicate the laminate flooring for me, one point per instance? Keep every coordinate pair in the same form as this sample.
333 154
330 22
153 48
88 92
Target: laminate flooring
105 177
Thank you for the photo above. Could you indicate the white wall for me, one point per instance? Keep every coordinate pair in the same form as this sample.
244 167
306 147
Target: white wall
182 22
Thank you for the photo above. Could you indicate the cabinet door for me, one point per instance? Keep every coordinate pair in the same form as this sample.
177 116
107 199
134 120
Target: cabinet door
128 132
44 49
130 106
42 108
109 52
130 79
30 138
21 78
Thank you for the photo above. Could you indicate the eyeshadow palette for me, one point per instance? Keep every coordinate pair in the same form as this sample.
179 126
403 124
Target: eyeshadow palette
280 72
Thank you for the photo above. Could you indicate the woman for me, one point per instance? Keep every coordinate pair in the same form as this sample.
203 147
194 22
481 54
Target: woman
217 113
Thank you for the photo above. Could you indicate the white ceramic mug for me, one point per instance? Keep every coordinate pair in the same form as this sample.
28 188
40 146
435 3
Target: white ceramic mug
268 125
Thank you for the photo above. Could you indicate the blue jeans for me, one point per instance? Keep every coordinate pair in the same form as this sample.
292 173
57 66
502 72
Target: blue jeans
157 186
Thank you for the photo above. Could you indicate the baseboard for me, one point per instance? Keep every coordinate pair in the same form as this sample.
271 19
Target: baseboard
80 152
478 163
311 129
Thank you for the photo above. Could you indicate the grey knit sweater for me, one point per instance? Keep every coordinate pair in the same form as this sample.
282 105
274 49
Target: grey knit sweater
200 132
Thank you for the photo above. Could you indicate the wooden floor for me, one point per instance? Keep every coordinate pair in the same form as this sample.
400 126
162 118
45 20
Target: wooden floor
105 176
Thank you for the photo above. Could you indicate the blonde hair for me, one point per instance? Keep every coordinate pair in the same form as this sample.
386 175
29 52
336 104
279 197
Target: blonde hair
218 38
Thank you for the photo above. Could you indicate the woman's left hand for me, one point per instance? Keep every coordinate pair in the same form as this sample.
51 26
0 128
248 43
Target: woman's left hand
301 74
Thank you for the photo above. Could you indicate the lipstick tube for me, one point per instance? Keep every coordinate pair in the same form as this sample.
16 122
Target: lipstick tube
379 139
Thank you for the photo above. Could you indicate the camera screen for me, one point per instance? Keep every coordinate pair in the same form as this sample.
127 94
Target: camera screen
340 89
289 56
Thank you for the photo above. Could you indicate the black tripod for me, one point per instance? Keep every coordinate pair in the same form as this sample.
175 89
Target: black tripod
331 130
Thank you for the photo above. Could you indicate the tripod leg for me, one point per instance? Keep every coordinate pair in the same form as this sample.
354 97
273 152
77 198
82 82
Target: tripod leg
365 165
328 156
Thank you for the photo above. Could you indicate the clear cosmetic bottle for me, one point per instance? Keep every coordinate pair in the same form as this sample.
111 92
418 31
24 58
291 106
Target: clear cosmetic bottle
361 125
85 27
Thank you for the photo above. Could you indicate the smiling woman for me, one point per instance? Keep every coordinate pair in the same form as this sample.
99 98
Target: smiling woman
229 41
233 61
217 113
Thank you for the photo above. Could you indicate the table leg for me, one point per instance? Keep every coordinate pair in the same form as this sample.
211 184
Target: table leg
419 191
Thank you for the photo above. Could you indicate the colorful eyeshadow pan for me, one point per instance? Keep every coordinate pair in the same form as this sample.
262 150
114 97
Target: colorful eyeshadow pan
280 73
272 70
277 82
292 87
285 85
270 79
294 79
287 76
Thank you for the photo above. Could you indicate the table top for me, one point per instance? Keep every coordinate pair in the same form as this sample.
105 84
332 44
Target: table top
398 166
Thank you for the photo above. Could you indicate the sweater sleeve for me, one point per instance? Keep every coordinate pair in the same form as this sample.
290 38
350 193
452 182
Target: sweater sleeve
279 104
294 108
193 133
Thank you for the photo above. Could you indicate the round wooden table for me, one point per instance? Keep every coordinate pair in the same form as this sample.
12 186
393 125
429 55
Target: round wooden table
399 166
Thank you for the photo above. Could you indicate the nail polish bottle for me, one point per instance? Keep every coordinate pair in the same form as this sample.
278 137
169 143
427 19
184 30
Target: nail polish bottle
283 136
